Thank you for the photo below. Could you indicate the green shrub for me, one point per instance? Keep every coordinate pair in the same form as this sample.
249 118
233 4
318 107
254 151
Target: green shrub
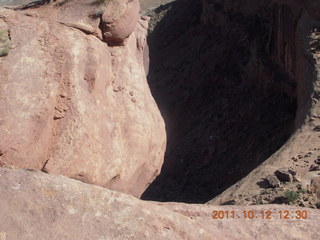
4 51
264 191
318 205
302 191
4 35
292 196
258 201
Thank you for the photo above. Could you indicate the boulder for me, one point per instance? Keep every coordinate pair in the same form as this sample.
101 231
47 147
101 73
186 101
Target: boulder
72 105
284 175
297 174
314 167
273 181
119 20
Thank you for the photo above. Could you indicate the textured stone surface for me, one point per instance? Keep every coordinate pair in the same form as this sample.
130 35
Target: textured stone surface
273 181
284 175
35 205
119 20
14 2
72 105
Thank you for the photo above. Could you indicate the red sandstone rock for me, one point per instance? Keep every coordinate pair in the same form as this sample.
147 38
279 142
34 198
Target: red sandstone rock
35 205
65 102
119 20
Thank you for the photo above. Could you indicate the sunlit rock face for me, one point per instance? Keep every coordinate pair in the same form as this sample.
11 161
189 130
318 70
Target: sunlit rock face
73 105
68 209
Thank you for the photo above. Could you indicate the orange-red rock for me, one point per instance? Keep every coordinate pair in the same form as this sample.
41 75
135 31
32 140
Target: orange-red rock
119 20
72 105
42 206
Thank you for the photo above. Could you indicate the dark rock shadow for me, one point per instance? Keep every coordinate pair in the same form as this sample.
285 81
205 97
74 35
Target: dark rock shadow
263 184
223 116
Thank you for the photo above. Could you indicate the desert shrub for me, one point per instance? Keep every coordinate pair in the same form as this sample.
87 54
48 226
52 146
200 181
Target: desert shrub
292 196
265 191
318 205
4 51
302 191
4 42
4 35
258 201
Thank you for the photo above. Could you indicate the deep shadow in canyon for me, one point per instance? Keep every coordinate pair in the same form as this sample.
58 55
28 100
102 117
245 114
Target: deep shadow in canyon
226 103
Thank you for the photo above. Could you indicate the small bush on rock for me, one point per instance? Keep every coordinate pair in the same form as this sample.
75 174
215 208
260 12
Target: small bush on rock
4 42
292 196
4 51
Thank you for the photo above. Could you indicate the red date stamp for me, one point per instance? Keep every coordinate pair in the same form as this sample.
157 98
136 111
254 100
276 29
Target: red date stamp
262 214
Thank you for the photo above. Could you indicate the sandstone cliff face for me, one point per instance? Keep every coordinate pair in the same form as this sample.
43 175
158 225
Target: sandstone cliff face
72 105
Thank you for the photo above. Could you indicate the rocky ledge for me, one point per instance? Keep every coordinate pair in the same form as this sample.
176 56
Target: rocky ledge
43 206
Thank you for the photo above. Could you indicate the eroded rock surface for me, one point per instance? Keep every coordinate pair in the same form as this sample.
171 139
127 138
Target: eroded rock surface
35 205
72 105
14 2
119 20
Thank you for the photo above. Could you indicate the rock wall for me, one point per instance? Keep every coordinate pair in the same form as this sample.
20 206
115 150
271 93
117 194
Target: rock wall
288 26
290 30
71 104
